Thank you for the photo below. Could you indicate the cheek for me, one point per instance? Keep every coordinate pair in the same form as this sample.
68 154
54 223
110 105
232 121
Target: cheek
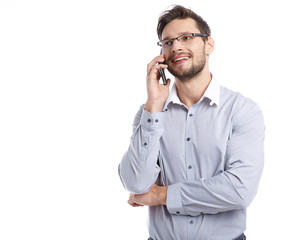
166 56
200 54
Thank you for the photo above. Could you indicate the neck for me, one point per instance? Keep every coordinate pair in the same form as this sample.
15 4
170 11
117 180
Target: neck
190 92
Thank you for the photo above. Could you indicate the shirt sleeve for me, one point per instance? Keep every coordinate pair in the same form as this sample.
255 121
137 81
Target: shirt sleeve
236 186
138 169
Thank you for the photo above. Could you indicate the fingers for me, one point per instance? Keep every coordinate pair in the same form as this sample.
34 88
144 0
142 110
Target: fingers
155 68
158 59
132 202
156 64
154 74
135 204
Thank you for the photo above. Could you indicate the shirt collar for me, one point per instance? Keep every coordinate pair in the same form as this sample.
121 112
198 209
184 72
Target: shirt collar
212 93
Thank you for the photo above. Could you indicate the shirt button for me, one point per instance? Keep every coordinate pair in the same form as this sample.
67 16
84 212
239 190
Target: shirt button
189 167
191 222
188 139
156 120
149 120
145 144
177 212
190 115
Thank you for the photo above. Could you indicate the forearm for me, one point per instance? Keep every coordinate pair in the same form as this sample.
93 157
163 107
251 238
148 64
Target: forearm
209 196
138 169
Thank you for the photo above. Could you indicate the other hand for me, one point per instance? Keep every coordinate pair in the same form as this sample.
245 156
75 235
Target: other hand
155 196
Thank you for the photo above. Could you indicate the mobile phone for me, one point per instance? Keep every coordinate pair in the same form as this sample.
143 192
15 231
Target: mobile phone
161 71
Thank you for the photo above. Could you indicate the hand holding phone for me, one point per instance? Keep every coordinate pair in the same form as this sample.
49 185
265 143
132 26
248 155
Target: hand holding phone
157 93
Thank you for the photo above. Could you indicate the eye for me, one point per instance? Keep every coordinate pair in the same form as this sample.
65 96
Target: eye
186 37
167 43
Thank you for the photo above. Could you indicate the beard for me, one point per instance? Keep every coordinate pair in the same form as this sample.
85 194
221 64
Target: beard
188 74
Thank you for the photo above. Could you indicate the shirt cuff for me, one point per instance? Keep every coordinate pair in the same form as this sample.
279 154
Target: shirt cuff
174 201
152 121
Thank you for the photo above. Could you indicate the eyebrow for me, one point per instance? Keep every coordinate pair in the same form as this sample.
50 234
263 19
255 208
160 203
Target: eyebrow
180 34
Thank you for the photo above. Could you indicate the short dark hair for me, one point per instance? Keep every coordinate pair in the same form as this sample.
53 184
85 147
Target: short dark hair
180 12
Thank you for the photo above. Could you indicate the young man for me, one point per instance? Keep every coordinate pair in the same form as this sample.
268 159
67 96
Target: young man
196 154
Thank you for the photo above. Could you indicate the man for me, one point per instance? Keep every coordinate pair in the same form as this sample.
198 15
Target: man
196 154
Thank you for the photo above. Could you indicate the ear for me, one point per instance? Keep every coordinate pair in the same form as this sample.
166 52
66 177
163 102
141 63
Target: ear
209 46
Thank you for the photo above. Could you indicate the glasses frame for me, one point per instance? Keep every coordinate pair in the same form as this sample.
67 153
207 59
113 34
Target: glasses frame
160 43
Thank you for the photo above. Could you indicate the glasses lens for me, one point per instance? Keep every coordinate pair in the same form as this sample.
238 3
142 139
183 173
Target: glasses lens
185 39
167 43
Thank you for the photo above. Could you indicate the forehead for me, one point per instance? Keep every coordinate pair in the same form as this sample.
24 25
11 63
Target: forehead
178 26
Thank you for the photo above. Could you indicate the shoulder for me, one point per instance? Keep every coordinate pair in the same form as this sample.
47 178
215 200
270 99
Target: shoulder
236 100
242 109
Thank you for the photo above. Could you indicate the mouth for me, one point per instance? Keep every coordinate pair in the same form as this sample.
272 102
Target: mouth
180 59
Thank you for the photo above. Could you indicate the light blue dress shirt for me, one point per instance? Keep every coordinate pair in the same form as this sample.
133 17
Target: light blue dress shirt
211 158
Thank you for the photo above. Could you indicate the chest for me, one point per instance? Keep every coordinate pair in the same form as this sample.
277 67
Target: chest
194 142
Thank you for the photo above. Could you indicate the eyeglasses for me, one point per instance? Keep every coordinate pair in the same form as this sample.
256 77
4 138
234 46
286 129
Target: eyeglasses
184 39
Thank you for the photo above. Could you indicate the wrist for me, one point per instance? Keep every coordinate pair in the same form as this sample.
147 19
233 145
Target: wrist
153 106
163 194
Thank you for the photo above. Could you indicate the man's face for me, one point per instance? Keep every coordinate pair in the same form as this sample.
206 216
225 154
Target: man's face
185 61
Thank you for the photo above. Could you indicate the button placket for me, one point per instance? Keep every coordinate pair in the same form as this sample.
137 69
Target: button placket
189 143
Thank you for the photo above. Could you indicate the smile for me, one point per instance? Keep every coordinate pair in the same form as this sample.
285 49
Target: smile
180 58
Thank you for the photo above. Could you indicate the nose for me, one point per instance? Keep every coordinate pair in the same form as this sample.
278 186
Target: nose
176 45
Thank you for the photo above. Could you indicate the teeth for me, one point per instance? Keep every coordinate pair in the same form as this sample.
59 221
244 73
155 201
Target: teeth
178 59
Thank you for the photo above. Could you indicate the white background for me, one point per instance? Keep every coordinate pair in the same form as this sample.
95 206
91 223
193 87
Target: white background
72 76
